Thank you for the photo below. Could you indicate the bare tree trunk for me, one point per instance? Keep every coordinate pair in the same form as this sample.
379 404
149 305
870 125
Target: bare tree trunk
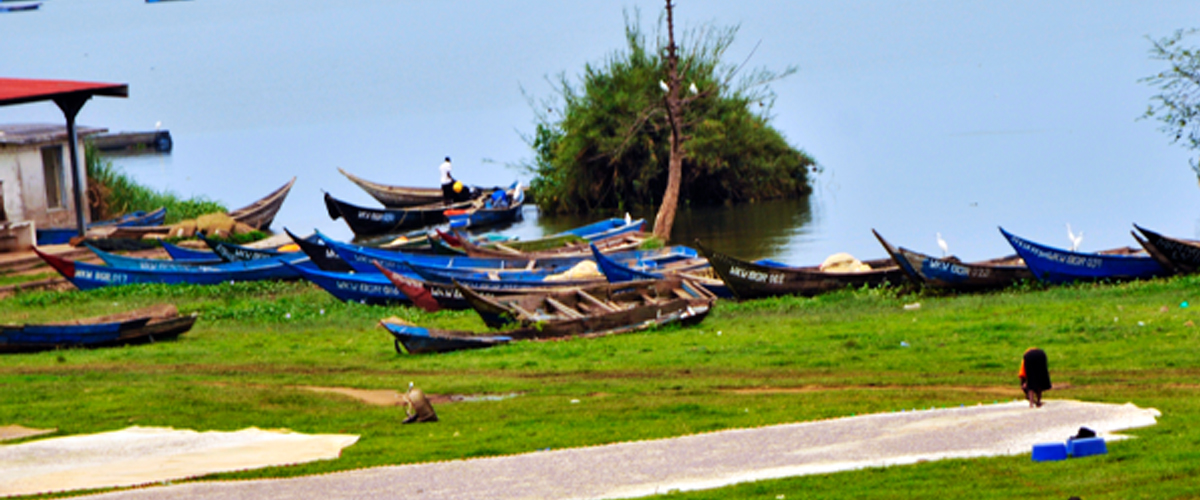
670 202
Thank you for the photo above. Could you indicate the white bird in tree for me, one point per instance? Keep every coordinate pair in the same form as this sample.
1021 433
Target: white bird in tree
692 88
942 244
1076 239
663 85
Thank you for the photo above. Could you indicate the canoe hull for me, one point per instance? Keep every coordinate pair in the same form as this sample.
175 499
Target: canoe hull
749 280
951 274
145 325
1176 254
1057 266
86 276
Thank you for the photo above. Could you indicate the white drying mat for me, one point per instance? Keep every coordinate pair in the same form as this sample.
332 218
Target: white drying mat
141 455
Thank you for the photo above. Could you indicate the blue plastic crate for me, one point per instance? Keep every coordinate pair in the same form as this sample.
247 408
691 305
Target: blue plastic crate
1048 452
1086 447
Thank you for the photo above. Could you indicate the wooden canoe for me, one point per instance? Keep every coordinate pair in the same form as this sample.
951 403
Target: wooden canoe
616 243
602 317
322 255
749 280
58 236
1055 265
184 254
157 141
488 213
950 273
143 325
396 196
366 221
581 310
260 214
86 276
419 340
1176 254
696 269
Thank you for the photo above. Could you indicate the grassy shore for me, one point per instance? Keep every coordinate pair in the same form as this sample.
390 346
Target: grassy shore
749 364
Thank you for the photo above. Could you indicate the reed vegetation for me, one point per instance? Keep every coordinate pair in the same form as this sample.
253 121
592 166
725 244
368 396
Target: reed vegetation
114 193
771 361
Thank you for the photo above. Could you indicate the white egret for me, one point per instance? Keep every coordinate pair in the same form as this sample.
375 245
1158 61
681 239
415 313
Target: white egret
1076 239
692 88
628 219
663 85
942 244
158 125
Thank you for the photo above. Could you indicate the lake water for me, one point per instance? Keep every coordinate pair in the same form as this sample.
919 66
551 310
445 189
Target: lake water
928 117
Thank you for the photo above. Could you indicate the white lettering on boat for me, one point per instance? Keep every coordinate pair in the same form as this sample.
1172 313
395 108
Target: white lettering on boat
756 276
1061 258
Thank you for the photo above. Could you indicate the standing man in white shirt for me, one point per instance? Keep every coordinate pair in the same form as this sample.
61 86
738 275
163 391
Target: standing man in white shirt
447 182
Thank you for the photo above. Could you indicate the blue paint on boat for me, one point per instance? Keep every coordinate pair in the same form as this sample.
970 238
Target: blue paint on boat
364 288
417 340
86 276
59 236
496 209
1054 265
182 254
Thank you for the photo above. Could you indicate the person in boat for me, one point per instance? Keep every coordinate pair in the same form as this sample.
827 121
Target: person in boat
499 199
417 406
1034 375
447 182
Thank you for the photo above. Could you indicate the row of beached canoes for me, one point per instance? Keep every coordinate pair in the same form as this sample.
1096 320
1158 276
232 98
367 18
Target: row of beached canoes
571 280
590 280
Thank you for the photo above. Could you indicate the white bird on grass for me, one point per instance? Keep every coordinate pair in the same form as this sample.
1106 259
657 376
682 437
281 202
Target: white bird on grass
663 85
1076 239
942 244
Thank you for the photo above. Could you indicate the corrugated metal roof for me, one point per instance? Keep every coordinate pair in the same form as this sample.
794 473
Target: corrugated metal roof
23 90
18 134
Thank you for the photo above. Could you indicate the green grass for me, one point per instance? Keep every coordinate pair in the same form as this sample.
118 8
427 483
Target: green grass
257 342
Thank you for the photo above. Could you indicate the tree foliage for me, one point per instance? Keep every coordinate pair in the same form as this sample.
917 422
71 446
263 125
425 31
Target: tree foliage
1177 105
605 144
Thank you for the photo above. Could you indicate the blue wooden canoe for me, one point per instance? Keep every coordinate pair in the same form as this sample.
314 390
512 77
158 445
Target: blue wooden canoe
66 335
360 258
495 279
126 262
148 324
183 254
58 236
693 269
87 276
373 288
237 253
1054 265
496 209
418 340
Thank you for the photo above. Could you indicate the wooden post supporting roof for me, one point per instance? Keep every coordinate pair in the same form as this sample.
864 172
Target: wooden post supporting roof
70 96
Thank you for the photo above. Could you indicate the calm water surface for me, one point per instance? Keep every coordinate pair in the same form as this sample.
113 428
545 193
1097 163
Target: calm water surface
928 117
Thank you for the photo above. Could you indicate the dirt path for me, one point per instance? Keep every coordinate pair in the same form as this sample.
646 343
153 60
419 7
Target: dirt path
702 461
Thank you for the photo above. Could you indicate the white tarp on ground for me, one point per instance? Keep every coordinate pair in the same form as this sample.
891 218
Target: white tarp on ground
700 461
141 455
